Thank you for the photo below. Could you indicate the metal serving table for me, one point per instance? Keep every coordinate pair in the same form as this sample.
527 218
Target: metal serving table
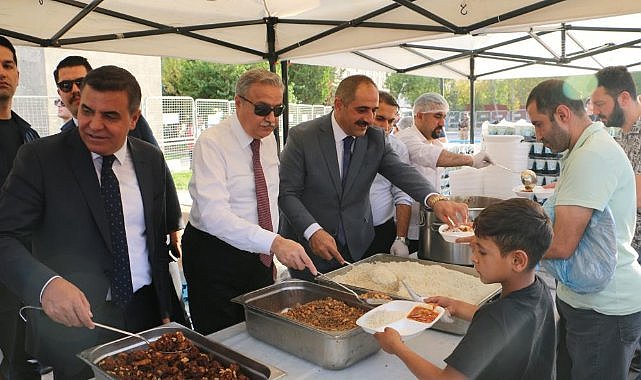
433 345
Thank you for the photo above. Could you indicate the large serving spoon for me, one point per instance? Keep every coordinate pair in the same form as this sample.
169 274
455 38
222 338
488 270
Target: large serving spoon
370 301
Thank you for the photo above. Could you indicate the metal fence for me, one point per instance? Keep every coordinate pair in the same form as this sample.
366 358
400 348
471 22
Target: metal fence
177 121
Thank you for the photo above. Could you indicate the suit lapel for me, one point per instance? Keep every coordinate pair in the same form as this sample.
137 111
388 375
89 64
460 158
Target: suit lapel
82 166
145 179
328 150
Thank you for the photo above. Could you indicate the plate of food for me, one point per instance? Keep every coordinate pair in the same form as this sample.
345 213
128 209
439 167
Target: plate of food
409 318
540 192
450 234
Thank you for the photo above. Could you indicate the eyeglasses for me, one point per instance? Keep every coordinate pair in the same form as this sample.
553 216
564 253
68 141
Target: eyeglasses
58 103
67 85
262 109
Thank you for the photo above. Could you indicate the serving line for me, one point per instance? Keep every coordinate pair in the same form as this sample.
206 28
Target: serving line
433 345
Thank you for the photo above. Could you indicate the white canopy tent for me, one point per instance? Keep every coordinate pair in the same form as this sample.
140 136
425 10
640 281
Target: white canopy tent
441 38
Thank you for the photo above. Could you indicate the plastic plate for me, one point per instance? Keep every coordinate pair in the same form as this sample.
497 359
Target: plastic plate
451 236
407 328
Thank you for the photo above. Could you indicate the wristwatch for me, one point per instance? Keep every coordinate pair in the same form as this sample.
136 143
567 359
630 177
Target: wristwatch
402 239
432 200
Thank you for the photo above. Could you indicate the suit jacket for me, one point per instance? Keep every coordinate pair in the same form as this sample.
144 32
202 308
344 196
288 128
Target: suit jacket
143 131
52 197
311 190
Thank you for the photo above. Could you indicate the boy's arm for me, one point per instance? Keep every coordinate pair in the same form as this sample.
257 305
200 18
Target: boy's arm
391 342
456 308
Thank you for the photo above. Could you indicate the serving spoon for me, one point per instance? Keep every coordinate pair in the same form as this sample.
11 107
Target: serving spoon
370 301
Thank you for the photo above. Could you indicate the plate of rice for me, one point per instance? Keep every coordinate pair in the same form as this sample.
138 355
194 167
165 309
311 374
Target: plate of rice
409 318
450 234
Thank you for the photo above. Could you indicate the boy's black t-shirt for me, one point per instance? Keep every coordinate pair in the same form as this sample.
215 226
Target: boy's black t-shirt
512 338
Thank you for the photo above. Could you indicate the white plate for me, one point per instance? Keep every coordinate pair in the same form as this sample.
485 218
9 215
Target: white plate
407 328
539 191
450 236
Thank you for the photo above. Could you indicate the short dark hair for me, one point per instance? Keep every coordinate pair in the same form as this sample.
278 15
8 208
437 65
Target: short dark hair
6 43
114 78
71 61
387 98
516 223
552 93
616 79
346 89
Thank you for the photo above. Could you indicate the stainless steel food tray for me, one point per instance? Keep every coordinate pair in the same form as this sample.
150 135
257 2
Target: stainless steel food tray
250 367
459 326
331 350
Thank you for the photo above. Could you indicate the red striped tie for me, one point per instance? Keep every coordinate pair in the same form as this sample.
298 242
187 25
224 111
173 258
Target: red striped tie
262 198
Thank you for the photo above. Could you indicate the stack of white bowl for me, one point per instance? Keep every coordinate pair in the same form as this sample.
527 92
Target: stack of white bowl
466 181
510 152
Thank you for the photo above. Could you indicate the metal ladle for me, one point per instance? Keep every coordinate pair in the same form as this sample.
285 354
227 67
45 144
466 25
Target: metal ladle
528 177
370 301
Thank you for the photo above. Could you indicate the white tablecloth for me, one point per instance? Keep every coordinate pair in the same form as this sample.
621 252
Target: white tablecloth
432 345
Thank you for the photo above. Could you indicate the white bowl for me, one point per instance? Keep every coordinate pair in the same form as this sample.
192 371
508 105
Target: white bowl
540 192
451 236
407 328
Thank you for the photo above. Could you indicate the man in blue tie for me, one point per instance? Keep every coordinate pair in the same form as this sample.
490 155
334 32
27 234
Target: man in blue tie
92 203
327 168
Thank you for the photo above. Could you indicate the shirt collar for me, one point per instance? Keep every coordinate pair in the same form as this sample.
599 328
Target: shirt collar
237 129
120 154
339 134
589 131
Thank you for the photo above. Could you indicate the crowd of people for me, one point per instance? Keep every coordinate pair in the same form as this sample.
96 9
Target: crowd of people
87 217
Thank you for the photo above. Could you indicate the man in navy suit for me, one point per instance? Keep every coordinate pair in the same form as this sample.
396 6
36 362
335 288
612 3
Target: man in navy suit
53 198
327 168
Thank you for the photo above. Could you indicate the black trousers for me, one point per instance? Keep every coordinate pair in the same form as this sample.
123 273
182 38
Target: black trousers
216 272
12 340
384 236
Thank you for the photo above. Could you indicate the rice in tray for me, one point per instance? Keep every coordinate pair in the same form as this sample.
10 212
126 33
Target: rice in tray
426 280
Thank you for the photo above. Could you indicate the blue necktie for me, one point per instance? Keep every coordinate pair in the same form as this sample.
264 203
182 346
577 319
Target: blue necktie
347 158
121 287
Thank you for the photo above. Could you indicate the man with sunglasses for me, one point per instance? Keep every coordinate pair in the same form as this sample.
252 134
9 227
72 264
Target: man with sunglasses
615 102
327 169
232 235
69 74
427 152
14 132
390 205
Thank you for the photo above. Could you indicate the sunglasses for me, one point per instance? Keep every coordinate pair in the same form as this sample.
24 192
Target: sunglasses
67 85
262 109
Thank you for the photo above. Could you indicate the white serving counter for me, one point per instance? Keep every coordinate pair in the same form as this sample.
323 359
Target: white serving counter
432 345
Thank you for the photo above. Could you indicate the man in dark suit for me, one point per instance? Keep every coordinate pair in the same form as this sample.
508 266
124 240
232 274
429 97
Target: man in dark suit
327 168
14 131
92 203
68 76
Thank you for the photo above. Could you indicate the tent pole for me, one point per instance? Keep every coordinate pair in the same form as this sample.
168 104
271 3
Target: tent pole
272 58
472 100
285 117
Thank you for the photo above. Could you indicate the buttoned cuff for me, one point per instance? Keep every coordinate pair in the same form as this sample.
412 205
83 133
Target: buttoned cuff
311 230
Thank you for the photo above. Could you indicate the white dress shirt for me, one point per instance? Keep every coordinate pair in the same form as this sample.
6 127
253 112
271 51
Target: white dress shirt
134 215
339 135
223 190
383 196
423 154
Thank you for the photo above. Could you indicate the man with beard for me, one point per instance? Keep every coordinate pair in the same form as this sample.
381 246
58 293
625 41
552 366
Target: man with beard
327 168
615 101
595 174
231 236
427 152
14 131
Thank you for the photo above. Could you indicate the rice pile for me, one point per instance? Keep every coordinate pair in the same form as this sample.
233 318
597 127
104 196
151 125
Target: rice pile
426 280
383 318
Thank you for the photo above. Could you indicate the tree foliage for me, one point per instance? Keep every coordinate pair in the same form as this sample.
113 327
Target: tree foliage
311 84
406 88
206 80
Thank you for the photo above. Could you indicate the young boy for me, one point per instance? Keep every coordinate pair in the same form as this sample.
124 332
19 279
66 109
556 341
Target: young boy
513 337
